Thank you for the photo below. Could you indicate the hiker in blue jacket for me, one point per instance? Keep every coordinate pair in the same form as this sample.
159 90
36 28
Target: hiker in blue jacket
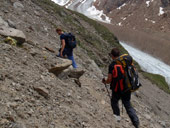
65 49
116 96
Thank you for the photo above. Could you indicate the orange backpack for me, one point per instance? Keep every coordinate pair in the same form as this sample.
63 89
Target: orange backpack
125 76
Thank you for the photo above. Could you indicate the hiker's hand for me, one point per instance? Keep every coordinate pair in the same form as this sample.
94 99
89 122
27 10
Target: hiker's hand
61 54
103 80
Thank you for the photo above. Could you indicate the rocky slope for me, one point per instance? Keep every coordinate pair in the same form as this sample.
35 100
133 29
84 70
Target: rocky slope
33 97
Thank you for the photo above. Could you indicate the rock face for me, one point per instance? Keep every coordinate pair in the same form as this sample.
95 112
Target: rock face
33 97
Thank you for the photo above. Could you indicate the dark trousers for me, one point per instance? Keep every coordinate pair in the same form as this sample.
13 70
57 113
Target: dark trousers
125 97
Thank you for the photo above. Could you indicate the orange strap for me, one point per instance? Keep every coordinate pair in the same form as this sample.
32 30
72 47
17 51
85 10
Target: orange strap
115 70
115 74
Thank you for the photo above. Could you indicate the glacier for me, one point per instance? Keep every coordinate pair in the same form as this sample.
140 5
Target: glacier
85 7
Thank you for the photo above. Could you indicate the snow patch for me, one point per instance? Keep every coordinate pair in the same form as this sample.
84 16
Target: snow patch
149 63
153 21
119 24
96 14
161 12
123 18
146 19
148 3
61 2
121 6
82 1
85 7
68 4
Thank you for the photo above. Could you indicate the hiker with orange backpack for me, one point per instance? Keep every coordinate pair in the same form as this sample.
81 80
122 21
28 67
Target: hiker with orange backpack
117 78
68 43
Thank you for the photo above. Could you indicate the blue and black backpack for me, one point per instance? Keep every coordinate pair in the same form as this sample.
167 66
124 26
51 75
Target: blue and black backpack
71 40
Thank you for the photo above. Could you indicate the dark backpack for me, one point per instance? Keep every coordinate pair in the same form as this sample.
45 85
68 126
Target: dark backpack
71 40
125 75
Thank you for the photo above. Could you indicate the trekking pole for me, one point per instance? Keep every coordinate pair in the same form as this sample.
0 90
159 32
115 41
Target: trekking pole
122 107
107 91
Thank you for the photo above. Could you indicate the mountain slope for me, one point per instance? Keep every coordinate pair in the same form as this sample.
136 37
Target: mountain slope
142 24
149 14
32 97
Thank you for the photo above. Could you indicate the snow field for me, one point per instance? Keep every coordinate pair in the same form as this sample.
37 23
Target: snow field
85 7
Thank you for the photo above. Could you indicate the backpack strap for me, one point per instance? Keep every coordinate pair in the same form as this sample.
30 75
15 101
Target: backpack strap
118 78
125 60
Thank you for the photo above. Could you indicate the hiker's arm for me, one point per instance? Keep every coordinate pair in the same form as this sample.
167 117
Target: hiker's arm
108 80
62 47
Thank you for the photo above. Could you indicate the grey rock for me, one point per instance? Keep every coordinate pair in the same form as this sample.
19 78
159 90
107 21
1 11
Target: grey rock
2 22
77 81
14 33
37 13
5 11
42 91
33 52
13 1
148 117
18 125
7 59
11 24
4 121
163 123
2 77
76 73
18 5
63 14
1 14
69 94
12 104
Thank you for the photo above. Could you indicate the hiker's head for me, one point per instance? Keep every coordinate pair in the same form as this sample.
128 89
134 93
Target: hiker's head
115 53
59 31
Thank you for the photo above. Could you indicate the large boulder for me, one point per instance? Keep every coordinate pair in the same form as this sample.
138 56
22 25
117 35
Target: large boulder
14 33
59 68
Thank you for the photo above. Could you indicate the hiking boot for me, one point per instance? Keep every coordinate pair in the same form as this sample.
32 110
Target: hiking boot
136 125
118 118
